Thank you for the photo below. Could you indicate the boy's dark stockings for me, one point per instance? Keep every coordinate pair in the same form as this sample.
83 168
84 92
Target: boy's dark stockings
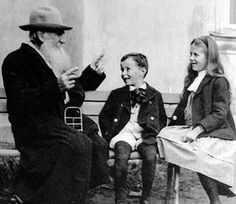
122 153
149 155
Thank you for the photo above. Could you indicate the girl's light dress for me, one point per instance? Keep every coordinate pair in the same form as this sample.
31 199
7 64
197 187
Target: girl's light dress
213 157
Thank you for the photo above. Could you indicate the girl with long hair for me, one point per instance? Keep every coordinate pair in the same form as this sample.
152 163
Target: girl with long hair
201 133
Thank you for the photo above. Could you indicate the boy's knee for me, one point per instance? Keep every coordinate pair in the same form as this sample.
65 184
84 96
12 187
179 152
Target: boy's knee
122 146
122 157
122 150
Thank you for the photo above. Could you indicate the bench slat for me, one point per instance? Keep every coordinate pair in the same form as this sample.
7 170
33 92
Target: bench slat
92 108
9 153
169 111
96 96
169 98
2 93
3 105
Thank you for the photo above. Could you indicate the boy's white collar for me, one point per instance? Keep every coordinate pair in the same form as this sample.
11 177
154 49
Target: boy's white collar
143 86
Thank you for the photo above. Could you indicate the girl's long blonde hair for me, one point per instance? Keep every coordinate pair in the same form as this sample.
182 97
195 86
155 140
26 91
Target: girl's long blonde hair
214 66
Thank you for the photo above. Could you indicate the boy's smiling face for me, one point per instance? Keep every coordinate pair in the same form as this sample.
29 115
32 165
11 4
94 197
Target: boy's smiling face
131 73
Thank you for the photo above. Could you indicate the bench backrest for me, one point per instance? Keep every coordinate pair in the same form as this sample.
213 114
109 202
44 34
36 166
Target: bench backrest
93 104
94 101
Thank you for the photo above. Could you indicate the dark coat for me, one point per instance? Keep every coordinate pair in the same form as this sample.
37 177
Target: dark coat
51 152
117 110
210 108
33 94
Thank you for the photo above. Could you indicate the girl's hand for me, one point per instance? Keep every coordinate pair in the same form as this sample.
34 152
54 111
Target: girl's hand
192 134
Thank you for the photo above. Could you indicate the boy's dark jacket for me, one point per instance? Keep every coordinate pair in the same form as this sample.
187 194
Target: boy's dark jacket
117 110
210 109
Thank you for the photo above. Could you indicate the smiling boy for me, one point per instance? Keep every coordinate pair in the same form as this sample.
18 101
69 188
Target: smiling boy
130 120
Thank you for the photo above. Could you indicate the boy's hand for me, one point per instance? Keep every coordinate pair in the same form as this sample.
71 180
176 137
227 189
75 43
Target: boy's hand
97 66
67 79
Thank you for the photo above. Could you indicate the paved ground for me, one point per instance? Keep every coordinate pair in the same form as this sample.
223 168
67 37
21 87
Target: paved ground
191 191
189 201
105 200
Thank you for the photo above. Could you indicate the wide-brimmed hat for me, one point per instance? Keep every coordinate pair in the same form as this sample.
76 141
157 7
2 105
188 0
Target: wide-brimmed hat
45 18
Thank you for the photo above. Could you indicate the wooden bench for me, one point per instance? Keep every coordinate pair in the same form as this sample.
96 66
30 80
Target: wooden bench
92 106
95 100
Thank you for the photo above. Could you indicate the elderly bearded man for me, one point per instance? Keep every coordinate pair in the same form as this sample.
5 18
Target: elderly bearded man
56 159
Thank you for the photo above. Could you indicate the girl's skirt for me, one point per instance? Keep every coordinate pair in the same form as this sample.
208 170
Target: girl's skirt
213 157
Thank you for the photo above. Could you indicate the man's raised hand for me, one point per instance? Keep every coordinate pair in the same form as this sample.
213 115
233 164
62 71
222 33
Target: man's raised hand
97 65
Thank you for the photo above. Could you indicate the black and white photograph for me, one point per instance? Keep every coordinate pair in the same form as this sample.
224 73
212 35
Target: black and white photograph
118 102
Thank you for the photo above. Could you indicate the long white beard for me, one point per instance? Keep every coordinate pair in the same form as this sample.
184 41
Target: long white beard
56 57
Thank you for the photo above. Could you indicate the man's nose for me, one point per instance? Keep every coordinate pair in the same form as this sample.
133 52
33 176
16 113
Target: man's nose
124 72
62 38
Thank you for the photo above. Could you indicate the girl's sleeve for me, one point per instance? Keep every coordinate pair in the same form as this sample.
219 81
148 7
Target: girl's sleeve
220 105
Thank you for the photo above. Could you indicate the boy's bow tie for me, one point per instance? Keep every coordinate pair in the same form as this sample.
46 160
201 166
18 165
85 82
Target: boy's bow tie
137 96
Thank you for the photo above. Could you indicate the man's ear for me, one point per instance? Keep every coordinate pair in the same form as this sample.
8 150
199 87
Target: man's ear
144 70
41 36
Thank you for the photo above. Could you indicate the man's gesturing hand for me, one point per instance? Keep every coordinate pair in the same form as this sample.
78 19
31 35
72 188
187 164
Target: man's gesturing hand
97 65
67 79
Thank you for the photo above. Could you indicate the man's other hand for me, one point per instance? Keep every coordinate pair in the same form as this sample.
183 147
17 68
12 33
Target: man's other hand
66 80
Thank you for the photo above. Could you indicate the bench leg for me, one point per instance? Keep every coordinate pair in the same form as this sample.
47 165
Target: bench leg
176 181
169 181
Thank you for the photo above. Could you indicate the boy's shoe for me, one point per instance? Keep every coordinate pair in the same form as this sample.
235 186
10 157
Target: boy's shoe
143 201
121 196
121 200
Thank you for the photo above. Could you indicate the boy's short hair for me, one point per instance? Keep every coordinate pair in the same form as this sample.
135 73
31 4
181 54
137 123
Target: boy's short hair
139 58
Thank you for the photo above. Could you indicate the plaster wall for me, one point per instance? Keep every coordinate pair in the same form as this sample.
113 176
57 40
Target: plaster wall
162 30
